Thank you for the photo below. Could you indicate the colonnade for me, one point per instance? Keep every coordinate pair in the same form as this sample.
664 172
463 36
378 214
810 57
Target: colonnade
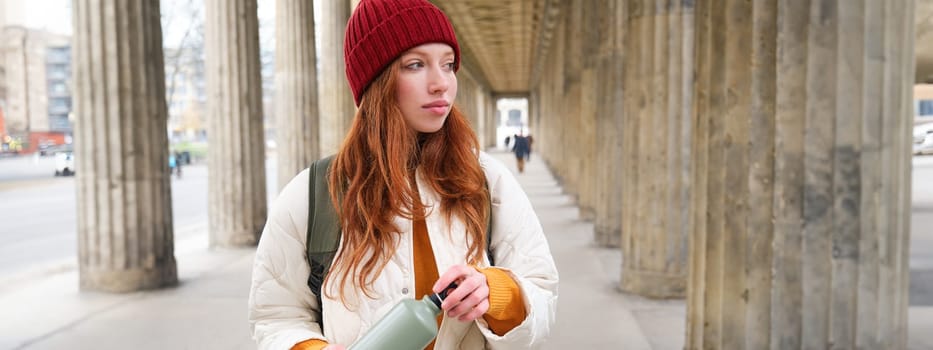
751 156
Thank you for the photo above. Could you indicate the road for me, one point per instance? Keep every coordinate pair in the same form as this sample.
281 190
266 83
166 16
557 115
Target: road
38 214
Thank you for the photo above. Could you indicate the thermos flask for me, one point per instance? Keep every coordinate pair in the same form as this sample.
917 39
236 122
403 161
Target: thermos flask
410 325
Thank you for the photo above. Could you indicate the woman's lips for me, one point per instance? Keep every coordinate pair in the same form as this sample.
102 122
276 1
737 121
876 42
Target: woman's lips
438 107
437 110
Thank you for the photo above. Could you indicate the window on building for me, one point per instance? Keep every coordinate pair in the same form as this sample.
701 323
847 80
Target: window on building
60 103
58 54
925 108
59 122
58 87
57 71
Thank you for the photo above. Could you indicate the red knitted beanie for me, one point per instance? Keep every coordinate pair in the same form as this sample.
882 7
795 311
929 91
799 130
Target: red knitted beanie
381 30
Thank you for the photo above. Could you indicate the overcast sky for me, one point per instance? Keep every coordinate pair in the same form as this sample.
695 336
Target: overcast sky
55 16
50 15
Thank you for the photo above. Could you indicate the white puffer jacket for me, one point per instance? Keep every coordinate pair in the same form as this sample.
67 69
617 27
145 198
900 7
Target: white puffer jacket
281 304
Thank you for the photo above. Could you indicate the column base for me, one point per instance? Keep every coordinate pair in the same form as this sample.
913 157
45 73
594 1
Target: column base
130 280
608 237
587 213
655 285
234 239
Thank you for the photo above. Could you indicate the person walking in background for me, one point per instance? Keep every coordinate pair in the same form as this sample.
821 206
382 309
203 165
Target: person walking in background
522 150
419 207
178 163
172 163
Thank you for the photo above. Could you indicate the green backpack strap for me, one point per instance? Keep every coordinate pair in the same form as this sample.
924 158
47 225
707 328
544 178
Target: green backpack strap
489 227
323 235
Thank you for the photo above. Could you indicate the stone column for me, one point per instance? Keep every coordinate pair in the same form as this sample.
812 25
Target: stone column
335 98
552 124
296 105
481 125
612 19
558 121
542 102
467 97
571 113
236 160
655 175
587 26
125 237
491 122
802 158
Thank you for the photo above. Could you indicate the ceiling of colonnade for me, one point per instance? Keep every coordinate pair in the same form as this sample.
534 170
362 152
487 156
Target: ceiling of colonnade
500 37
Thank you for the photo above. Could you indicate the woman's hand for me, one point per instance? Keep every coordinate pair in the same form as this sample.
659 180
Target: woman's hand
470 299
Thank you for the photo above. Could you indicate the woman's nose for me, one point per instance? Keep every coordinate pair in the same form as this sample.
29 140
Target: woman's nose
438 82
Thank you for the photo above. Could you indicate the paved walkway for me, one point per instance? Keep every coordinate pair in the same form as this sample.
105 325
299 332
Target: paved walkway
207 310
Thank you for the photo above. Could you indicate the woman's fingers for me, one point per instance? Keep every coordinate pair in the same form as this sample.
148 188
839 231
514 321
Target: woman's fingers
456 273
474 305
470 299
477 312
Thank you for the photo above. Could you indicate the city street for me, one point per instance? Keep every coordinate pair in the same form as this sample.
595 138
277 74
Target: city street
921 236
38 214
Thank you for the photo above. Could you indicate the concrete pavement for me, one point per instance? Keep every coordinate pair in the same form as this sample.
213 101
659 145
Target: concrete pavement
207 310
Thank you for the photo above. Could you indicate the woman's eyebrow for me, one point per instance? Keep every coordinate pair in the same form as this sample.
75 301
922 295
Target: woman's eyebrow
424 53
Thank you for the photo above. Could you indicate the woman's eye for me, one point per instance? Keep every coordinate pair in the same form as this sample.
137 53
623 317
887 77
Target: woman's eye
450 65
415 65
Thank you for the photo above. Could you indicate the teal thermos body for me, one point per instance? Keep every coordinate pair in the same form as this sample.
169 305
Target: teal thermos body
410 325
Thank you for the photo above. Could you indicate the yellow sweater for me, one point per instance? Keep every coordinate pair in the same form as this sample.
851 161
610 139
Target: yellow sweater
506 308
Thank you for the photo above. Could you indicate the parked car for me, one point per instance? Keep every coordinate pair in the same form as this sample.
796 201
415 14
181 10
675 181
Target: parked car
49 150
925 146
923 139
64 164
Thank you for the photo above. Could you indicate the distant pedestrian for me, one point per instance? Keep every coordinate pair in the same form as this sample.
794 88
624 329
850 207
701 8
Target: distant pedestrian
172 164
178 163
507 139
522 151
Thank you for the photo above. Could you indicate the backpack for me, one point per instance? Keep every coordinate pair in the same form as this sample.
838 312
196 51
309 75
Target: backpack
323 236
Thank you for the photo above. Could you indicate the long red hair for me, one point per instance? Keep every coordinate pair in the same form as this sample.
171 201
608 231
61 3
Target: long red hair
371 182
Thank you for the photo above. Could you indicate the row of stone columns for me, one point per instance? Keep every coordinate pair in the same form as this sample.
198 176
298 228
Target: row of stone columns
802 176
567 137
617 91
475 102
763 147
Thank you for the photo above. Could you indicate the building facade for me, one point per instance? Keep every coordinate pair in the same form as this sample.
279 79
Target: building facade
37 88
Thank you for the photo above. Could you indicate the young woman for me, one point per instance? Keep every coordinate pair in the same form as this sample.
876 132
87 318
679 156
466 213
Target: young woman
413 196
